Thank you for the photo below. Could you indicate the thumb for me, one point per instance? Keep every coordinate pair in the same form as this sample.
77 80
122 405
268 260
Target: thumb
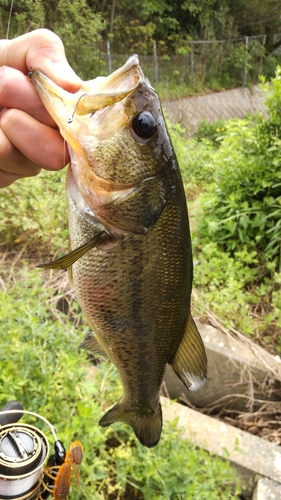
41 49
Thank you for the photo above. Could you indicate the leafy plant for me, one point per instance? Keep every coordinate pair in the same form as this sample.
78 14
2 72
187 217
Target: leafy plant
194 158
243 205
34 213
213 131
66 18
236 228
42 368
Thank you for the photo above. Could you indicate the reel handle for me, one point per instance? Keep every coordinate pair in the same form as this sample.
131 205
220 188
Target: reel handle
6 419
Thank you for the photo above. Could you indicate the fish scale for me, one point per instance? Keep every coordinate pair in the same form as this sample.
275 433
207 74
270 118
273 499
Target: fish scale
130 261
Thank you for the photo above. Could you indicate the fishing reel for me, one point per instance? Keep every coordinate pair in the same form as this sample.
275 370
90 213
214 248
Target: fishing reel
26 472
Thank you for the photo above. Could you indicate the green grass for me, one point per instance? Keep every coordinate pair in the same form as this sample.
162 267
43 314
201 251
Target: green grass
34 213
42 368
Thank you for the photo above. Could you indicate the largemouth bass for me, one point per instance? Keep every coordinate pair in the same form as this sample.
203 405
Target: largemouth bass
130 261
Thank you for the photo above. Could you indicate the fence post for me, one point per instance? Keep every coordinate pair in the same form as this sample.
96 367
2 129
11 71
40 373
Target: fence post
245 67
191 62
155 59
109 61
261 59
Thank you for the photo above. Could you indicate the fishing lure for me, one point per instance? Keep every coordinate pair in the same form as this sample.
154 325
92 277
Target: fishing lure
60 475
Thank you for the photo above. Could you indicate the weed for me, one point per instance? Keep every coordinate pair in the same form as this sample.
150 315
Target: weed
34 213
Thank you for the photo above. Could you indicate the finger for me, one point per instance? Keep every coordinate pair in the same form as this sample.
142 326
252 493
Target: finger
40 49
13 164
41 144
16 91
6 179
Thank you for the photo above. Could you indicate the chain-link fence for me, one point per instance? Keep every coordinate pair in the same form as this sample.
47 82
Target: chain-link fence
211 63
234 64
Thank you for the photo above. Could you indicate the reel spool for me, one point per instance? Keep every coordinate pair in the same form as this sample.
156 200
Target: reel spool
23 451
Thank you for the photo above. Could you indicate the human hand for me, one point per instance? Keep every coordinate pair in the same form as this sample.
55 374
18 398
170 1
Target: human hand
29 138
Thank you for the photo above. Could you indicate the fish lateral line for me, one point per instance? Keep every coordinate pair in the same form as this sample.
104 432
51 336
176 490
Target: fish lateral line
70 258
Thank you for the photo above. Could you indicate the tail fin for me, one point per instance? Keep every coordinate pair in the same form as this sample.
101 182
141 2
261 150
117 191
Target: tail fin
146 427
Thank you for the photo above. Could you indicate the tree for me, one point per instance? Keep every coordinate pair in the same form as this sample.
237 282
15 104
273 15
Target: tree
73 20
135 26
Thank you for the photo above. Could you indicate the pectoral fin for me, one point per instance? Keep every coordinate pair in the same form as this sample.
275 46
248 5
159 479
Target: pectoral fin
69 259
190 361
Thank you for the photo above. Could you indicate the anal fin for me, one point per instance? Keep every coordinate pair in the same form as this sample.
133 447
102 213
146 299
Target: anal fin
190 361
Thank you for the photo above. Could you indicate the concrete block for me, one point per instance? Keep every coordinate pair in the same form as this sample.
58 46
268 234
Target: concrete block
237 378
266 489
251 455
235 103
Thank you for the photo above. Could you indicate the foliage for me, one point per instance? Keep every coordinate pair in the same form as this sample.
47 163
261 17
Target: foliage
272 91
42 368
34 213
231 288
210 130
67 18
175 21
86 26
243 205
236 225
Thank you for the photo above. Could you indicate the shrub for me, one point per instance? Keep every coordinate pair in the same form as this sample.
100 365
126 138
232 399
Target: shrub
213 131
236 226
243 204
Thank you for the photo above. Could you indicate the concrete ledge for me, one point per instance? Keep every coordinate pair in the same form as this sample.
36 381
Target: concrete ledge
241 376
267 490
235 103
253 455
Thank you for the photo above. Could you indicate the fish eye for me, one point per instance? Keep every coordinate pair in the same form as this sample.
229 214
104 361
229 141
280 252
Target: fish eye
144 124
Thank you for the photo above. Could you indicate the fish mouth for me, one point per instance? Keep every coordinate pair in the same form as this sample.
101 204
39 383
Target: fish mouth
92 121
94 95
104 91
94 113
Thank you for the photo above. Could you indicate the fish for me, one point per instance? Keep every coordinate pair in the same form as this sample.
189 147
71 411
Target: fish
130 259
